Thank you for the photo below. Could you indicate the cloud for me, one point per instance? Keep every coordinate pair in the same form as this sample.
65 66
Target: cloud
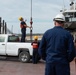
43 12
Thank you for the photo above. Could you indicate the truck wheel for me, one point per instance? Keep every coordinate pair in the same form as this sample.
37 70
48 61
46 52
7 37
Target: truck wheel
24 57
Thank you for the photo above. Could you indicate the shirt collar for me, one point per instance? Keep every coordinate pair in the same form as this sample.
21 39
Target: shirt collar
58 27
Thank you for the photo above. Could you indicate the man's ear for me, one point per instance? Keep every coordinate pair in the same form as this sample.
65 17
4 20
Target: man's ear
54 23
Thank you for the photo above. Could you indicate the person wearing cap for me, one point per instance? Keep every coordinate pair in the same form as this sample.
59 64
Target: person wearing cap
57 48
23 27
35 45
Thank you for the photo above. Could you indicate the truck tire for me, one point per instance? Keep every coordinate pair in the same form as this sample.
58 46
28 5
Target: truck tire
24 57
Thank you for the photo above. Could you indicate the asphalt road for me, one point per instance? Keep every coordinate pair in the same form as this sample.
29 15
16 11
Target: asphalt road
14 67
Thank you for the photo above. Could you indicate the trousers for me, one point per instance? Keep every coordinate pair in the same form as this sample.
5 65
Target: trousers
35 56
23 36
57 69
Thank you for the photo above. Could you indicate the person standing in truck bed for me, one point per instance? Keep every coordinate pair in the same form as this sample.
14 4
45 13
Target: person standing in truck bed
23 27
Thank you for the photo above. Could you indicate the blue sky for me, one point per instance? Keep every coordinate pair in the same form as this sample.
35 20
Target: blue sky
43 12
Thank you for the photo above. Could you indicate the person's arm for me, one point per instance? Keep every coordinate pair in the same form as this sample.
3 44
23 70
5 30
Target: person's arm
27 26
42 48
32 43
71 49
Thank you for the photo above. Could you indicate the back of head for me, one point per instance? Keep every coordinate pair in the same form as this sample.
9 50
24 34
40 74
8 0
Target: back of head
35 37
20 18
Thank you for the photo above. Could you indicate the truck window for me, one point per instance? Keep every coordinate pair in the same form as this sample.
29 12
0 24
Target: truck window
2 39
13 39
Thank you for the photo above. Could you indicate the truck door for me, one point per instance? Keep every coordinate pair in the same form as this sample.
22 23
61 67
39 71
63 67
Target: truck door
2 45
12 44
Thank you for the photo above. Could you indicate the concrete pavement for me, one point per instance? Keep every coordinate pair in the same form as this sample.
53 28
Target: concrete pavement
14 67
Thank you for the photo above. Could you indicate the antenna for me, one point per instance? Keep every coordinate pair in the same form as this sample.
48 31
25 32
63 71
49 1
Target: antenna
72 4
12 29
72 0
63 5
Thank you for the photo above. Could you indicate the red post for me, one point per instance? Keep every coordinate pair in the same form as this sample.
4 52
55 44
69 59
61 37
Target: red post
31 22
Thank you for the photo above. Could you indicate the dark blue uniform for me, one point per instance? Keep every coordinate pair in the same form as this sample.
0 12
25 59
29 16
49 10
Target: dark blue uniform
57 48
23 30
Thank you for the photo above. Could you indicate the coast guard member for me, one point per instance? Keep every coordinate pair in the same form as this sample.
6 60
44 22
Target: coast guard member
57 48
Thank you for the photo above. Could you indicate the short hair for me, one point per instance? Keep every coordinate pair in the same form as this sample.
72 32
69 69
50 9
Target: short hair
60 22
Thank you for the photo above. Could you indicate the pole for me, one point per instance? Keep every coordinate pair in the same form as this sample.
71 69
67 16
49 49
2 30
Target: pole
5 28
0 25
63 5
12 29
31 22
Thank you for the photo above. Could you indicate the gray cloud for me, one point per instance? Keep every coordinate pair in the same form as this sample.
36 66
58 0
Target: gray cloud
43 13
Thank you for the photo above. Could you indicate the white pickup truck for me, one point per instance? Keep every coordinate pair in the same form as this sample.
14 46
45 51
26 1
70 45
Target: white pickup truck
11 46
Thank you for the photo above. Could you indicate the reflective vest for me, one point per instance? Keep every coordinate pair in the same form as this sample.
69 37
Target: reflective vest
22 26
35 44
